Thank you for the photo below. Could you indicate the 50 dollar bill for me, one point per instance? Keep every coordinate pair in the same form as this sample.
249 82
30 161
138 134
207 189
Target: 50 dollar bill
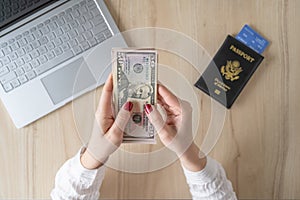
135 80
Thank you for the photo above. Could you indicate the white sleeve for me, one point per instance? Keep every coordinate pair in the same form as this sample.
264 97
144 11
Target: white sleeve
73 181
209 183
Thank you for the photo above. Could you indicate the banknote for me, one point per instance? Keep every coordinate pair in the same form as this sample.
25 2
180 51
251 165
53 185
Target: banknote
135 80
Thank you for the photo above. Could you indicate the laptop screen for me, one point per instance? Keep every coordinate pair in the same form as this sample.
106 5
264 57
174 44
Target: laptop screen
12 11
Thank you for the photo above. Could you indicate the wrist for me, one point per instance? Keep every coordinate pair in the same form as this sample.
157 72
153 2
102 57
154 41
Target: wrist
89 162
190 159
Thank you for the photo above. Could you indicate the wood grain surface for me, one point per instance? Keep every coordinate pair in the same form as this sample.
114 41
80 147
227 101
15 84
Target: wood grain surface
259 145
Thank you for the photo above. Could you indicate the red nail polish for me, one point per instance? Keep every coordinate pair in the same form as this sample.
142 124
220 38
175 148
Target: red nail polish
148 108
128 106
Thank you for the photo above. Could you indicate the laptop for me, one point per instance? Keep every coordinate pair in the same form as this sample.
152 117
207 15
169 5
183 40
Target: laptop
44 45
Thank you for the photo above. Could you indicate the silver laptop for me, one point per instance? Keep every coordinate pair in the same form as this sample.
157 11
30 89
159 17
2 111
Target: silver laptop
43 46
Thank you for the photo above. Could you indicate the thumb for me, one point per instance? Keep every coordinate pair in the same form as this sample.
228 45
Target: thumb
122 118
155 117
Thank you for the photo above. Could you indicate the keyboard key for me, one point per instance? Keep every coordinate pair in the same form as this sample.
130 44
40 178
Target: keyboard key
58 32
65 47
107 33
30 38
60 22
42 50
85 45
73 43
26 33
23 79
45 30
50 36
74 24
53 25
15 83
87 25
35 63
87 35
48 21
77 50
10 41
75 13
92 42
50 55
100 37
8 77
20 62
43 40
35 54
15 46
65 37
3 70
19 71
28 48
31 75
27 67
80 29
49 65
72 33
88 16
6 50
42 59
4 44
22 42
99 29
1 54
20 52
13 56
50 45
39 26
35 44
97 20
69 10
11 66
37 34
83 9
57 42
66 28
95 12
54 18
68 17
80 39
7 87
58 51
81 20
5 60
27 58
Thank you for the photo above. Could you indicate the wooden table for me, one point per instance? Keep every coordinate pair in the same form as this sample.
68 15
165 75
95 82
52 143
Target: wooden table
259 145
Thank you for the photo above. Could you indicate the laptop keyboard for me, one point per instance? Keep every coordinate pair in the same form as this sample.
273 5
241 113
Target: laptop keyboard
50 43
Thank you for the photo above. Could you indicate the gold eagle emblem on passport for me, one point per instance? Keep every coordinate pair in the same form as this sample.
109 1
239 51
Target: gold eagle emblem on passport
232 70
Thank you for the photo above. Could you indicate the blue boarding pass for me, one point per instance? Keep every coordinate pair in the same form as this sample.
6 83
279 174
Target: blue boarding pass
252 39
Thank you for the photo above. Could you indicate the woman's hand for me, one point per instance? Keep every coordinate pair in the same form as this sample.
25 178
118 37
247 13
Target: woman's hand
107 133
176 131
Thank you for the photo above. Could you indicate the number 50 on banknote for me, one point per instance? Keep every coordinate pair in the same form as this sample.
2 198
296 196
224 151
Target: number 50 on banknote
135 79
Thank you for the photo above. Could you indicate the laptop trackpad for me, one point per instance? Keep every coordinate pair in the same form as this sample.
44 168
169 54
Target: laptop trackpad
68 81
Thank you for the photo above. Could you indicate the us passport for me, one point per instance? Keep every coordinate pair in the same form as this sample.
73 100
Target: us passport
229 71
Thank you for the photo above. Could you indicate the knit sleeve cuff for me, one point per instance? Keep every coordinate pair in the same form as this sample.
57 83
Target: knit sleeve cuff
205 175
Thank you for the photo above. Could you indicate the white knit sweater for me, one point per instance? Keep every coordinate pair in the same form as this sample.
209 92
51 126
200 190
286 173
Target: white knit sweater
73 181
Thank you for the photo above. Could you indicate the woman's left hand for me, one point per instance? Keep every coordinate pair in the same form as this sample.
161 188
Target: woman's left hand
108 131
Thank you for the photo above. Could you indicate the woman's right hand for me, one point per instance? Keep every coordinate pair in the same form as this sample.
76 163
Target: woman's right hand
175 131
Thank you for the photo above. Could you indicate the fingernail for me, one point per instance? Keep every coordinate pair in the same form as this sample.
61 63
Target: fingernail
148 108
128 106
